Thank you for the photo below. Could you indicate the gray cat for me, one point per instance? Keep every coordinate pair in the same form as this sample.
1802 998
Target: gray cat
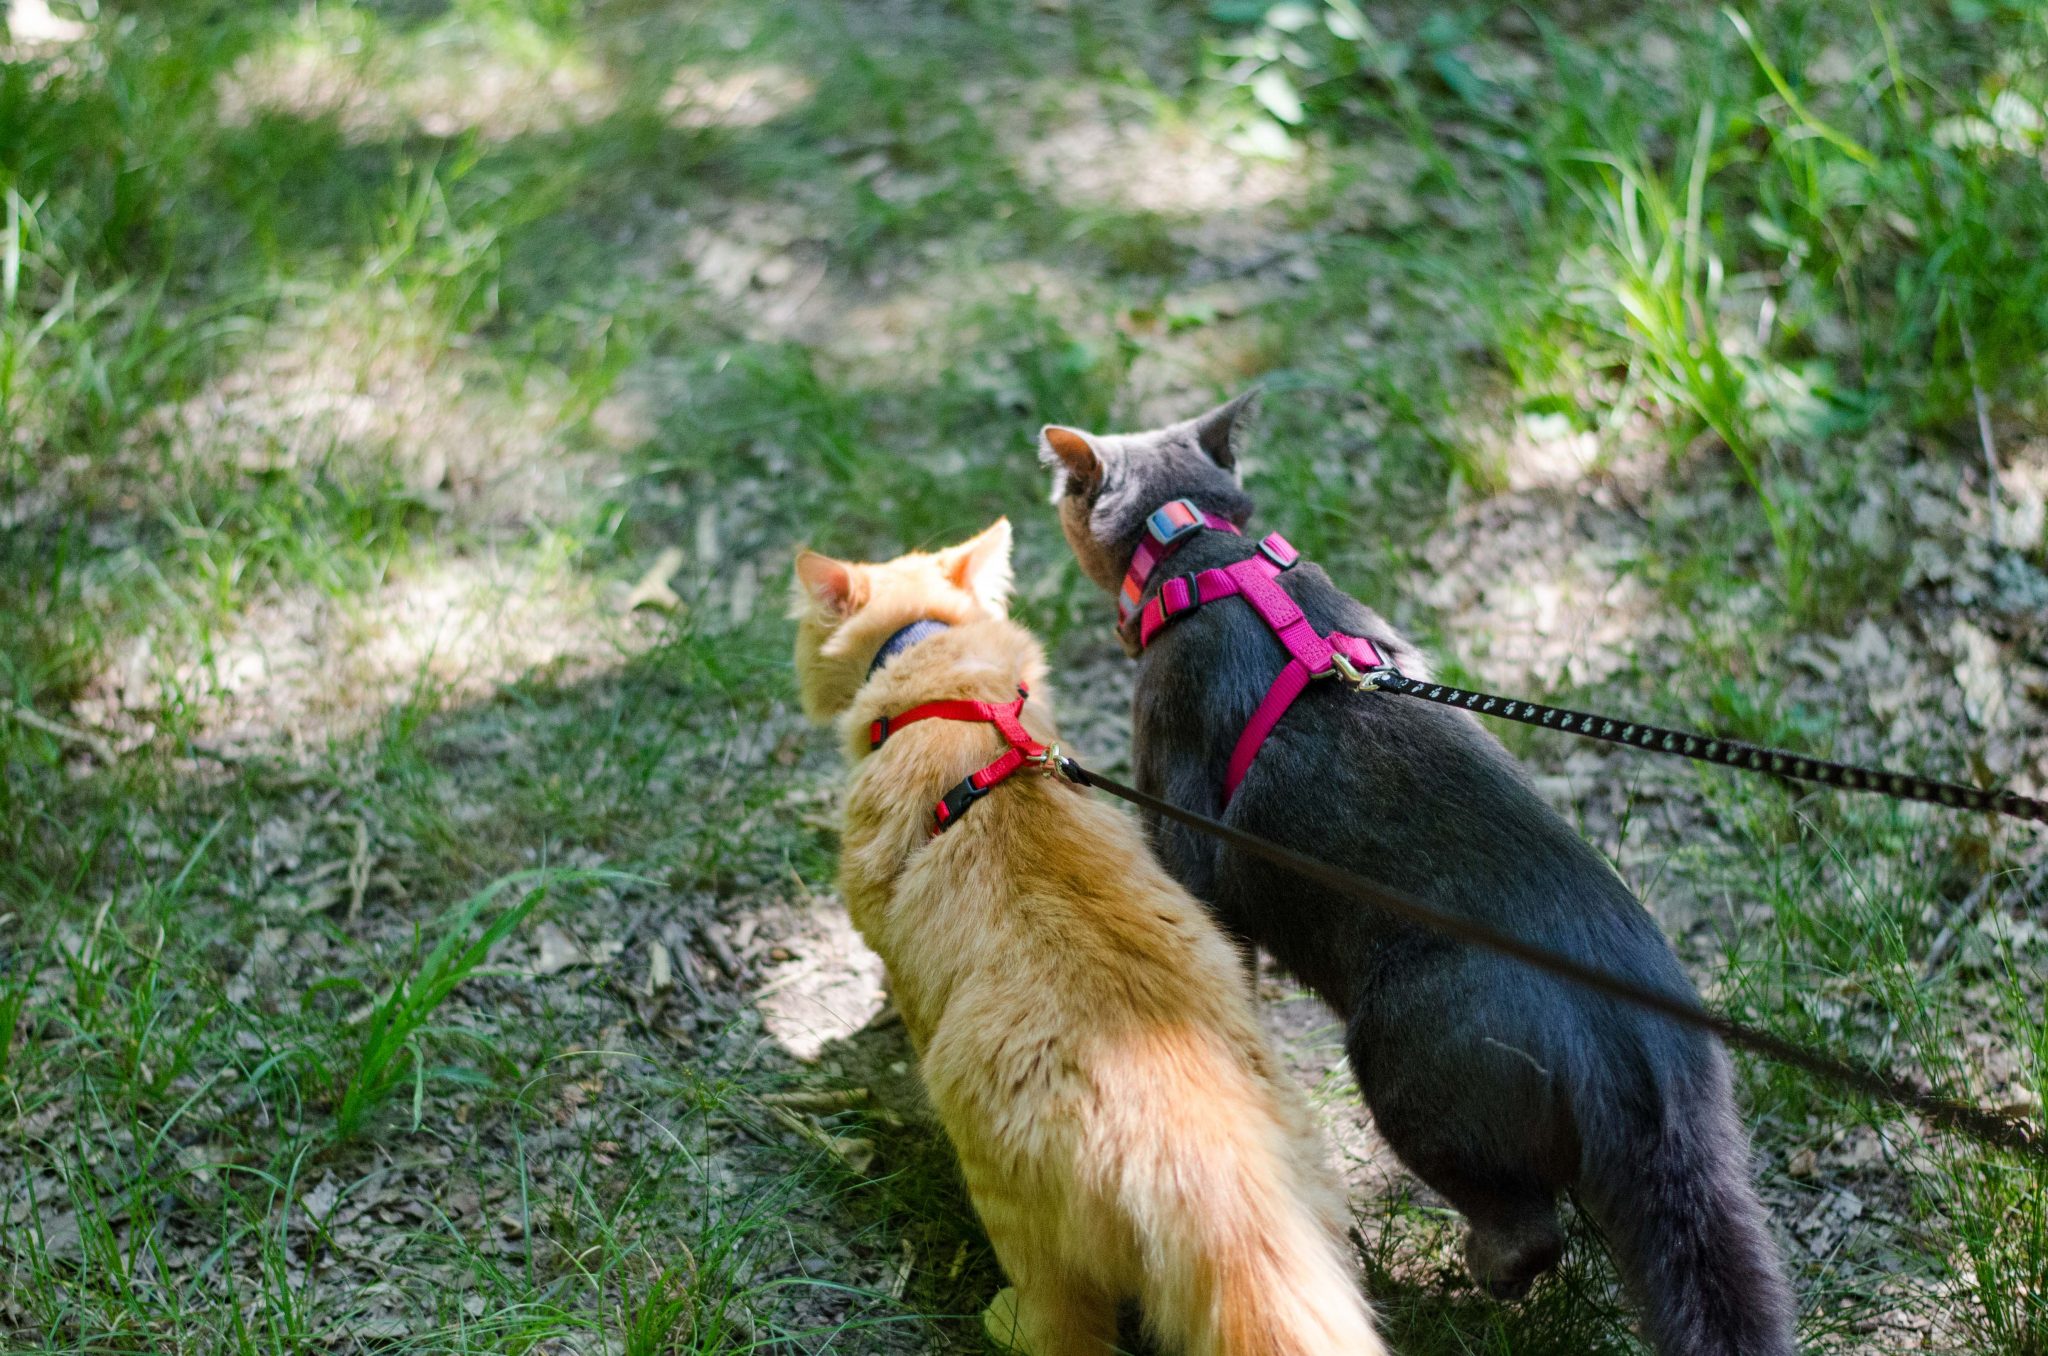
1498 1085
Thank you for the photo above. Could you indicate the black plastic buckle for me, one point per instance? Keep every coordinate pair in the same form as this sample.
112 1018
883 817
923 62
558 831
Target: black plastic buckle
877 732
1266 550
956 802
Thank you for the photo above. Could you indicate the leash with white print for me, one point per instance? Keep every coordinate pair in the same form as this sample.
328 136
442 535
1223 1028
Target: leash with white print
1705 749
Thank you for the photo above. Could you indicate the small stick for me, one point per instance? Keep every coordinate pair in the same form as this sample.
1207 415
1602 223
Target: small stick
1984 437
57 730
1966 913
822 1101
359 872
721 949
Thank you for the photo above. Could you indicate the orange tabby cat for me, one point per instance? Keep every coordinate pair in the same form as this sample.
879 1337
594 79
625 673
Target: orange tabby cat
1085 1032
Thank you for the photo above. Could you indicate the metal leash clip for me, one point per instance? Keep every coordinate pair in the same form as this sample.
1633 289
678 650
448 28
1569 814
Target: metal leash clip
1365 680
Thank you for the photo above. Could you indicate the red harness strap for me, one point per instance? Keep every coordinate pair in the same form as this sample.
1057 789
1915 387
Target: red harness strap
1310 654
1005 716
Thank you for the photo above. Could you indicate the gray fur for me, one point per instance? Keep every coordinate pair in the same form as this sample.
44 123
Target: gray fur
1499 1086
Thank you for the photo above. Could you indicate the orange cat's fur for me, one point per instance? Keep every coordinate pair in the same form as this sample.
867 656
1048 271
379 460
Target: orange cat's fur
1085 1032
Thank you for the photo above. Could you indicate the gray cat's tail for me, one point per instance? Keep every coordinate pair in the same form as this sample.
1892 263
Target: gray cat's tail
1688 1233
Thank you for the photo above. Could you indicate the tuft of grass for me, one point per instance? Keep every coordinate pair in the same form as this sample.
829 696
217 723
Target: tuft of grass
391 1050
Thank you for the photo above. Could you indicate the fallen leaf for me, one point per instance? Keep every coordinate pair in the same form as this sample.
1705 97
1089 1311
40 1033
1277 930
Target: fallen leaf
557 951
660 974
653 589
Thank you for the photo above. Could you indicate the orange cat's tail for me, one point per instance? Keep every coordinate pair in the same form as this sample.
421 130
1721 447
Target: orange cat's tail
1238 1258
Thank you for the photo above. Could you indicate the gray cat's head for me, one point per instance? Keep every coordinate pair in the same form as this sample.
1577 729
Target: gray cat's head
1105 484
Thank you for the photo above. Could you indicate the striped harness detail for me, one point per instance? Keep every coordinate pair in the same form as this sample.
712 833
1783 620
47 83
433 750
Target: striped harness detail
1165 529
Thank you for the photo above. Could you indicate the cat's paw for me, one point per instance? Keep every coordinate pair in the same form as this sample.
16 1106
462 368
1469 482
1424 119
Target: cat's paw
999 1320
1506 1262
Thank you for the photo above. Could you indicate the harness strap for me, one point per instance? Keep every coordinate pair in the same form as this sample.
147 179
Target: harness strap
1292 682
1005 716
1166 529
1310 654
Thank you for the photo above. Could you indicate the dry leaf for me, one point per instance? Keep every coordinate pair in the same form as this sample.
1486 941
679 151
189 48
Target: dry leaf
660 975
558 951
653 590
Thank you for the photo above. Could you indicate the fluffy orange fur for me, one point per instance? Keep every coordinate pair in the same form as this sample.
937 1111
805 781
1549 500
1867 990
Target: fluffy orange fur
1085 1031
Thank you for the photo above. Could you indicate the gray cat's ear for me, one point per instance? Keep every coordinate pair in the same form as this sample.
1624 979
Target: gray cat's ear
1074 452
1221 432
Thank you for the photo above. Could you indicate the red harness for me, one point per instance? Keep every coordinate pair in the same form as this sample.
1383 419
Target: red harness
1310 654
1005 716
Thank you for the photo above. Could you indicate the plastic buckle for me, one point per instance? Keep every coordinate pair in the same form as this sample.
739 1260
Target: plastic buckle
1166 527
1190 583
956 802
1272 553
877 732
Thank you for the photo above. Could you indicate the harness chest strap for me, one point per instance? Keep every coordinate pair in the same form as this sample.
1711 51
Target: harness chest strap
1005 716
1310 654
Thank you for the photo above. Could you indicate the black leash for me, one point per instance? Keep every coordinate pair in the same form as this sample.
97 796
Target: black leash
2010 1133
1701 748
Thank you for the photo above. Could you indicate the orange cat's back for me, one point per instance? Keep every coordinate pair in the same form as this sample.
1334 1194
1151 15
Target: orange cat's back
1085 1031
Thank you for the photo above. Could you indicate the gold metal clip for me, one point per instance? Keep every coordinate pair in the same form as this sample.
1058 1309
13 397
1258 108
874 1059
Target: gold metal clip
1365 680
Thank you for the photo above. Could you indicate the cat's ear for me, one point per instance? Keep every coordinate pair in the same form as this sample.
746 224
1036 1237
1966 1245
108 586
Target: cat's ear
981 566
1221 432
1075 452
825 587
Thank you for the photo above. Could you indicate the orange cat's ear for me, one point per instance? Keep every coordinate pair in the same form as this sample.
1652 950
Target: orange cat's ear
981 566
1074 452
825 586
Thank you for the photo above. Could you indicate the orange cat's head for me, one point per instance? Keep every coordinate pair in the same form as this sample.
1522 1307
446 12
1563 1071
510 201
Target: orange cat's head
846 610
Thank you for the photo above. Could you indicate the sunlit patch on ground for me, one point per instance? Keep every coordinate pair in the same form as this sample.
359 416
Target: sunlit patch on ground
307 666
1542 599
701 99
379 83
1084 148
828 987
364 383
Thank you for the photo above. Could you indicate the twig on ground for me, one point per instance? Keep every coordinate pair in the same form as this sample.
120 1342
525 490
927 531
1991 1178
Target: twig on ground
1984 436
908 1263
821 1101
721 950
57 730
359 871
1972 905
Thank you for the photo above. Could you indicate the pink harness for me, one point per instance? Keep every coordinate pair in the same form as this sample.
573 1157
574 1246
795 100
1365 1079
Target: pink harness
1310 655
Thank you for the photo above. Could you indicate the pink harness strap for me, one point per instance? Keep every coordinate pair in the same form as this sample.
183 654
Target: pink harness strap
1310 655
1165 529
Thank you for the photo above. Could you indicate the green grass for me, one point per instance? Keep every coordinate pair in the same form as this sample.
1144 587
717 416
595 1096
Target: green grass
356 361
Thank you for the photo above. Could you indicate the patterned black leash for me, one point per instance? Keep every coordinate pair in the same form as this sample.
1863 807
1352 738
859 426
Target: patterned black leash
2005 1132
1701 748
